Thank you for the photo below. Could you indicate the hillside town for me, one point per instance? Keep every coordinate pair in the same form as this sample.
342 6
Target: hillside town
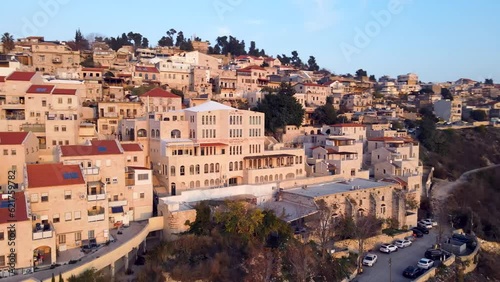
100 138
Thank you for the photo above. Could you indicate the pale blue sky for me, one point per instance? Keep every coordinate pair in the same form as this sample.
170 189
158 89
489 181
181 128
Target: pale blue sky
439 40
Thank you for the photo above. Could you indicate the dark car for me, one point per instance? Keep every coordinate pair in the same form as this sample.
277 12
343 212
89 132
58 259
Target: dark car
421 229
434 254
412 271
417 233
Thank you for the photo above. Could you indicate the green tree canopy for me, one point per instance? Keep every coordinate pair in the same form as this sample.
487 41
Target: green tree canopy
7 42
312 65
446 94
281 108
325 114
479 115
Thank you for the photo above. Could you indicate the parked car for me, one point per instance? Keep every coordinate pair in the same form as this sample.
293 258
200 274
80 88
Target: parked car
421 229
425 263
434 254
432 221
412 272
370 259
424 223
417 233
388 248
401 243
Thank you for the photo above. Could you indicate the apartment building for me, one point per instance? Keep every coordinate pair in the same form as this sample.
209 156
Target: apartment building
119 175
356 102
449 110
159 100
214 145
146 74
23 255
225 85
250 78
337 150
110 114
47 57
16 149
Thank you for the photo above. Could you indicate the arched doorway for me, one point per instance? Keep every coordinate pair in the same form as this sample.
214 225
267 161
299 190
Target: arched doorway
42 256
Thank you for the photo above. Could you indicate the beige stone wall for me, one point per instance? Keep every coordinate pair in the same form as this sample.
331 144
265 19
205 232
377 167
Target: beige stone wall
371 243
23 244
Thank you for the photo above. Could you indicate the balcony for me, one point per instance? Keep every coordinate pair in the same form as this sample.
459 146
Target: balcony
27 127
43 231
96 214
91 170
56 61
109 115
96 191
118 203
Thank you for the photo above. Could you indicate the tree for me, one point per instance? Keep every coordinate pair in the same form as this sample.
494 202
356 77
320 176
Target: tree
7 42
238 218
372 78
177 92
53 278
296 61
446 94
60 277
479 115
284 59
187 46
488 81
313 66
361 73
252 50
203 223
281 108
301 261
323 224
180 39
325 114
360 228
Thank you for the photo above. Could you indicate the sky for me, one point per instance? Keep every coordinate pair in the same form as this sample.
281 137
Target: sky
439 40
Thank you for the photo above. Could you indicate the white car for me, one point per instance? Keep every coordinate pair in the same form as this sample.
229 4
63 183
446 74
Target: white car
402 243
370 259
431 221
388 248
425 263
425 224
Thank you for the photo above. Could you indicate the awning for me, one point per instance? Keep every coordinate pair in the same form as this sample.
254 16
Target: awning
117 209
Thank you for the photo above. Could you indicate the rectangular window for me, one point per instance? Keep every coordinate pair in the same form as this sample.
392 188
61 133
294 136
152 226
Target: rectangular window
108 180
78 236
135 158
2 236
67 195
44 103
91 234
5 152
13 152
2 260
56 128
63 128
67 216
115 180
142 195
143 176
60 101
70 100
55 218
62 239
45 197
78 215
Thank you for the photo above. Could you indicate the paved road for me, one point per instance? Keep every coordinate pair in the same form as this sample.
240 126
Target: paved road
400 260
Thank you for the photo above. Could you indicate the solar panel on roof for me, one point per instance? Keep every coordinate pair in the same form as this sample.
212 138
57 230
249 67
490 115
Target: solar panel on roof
101 149
70 175
4 204
41 90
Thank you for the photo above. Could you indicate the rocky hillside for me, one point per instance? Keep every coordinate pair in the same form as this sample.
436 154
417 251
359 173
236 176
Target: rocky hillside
452 152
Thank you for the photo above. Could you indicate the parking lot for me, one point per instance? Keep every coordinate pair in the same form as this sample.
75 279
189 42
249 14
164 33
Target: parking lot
401 259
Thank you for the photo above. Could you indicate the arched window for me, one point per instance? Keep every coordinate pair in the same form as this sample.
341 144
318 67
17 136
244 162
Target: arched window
361 212
197 183
172 189
206 168
217 167
383 198
382 209
235 165
175 133
212 168
153 133
157 133
212 182
197 169
202 119
142 133
191 169
230 166
182 170
206 183
256 179
241 165
191 184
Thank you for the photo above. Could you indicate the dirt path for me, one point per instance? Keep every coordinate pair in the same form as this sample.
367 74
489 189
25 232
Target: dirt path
442 188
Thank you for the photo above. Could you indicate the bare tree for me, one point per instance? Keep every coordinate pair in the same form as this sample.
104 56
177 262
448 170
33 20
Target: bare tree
301 260
323 224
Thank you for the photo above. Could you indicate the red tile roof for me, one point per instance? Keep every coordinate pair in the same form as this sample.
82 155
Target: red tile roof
131 147
20 212
98 147
146 69
21 76
2 78
347 125
54 174
250 68
94 69
158 92
40 89
311 84
12 138
64 91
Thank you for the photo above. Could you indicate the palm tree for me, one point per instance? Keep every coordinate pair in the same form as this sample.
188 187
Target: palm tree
8 42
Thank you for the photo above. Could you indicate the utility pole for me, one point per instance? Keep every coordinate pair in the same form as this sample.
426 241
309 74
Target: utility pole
390 270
